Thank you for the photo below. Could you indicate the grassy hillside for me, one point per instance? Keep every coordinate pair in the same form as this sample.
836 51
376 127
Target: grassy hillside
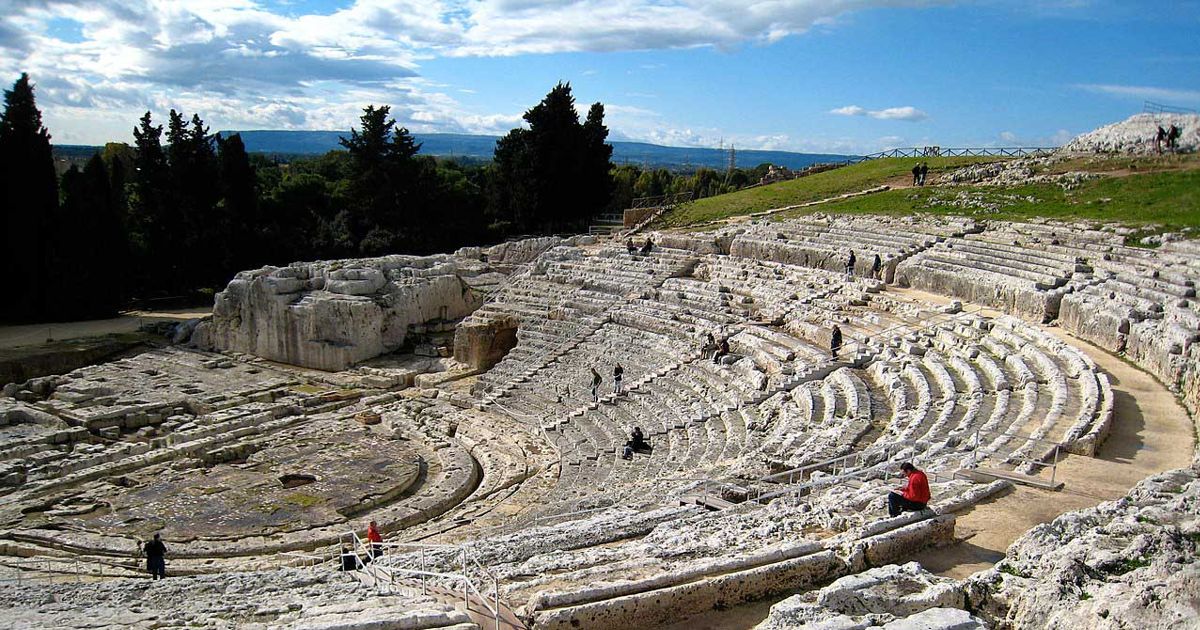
1163 192
1169 199
820 186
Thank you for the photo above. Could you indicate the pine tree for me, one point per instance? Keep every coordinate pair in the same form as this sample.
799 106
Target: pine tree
556 174
28 199
389 187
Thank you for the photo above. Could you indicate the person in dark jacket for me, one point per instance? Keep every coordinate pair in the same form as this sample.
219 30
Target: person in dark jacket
596 380
156 557
924 172
618 374
877 267
835 341
850 263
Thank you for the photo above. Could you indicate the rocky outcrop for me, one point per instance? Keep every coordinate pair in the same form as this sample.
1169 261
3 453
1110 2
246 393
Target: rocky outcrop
331 314
893 597
1136 135
287 598
1129 563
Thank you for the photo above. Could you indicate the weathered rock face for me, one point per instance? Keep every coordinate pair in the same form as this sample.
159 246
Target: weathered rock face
331 314
1129 563
893 596
1136 135
482 344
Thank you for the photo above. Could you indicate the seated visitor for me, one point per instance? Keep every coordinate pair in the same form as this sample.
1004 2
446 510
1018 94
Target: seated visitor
722 350
638 441
913 496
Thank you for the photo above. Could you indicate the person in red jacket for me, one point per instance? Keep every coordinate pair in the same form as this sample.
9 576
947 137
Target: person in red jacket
913 496
375 540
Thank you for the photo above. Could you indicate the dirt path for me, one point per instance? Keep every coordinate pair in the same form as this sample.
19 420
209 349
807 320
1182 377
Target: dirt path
1150 433
38 334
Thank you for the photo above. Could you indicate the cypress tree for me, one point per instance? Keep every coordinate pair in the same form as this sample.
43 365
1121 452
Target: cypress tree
150 224
239 204
28 199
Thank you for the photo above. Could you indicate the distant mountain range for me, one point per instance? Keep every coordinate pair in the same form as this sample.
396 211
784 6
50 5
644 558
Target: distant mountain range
481 147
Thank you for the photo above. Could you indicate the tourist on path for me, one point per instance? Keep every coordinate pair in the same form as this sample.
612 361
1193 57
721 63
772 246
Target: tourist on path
156 557
913 496
618 373
876 267
924 172
835 341
596 380
1159 138
1173 135
850 263
375 540
916 172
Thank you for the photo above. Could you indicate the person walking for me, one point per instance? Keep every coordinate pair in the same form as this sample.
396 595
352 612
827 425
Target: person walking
924 172
156 557
850 263
1173 134
916 173
835 341
1159 137
596 380
913 496
374 540
877 267
618 373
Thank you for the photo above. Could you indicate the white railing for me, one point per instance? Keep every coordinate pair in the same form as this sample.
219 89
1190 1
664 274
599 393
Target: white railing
366 555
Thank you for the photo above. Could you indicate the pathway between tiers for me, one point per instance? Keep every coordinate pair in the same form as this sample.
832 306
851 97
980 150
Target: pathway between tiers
1150 433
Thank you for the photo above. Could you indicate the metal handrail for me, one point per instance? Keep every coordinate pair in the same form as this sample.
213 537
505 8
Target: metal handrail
465 557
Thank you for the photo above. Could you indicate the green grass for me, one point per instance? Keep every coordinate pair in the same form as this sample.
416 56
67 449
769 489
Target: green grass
1151 194
1163 201
812 188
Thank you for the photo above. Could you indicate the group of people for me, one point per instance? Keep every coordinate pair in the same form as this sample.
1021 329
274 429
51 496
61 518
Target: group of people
618 375
713 349
647 247
1170 136
876 265
919 172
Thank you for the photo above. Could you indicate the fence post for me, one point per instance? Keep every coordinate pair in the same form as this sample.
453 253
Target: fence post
496 599
1054 468
466 591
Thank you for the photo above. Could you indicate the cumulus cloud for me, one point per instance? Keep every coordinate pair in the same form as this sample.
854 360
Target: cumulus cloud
253 59
911 114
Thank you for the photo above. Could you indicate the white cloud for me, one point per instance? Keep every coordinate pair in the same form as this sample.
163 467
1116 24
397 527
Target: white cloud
1008 136
911 114
1171 95
247 62
849 110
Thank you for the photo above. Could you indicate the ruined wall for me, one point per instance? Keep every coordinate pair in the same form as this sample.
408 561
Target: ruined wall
331 314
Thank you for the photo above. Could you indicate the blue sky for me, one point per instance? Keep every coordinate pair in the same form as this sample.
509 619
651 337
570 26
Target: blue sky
845 76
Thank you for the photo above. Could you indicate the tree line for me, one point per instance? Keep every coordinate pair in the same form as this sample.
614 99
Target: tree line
181 210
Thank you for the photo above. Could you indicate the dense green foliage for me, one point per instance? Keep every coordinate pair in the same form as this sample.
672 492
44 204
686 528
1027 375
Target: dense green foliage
28 202
555 175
